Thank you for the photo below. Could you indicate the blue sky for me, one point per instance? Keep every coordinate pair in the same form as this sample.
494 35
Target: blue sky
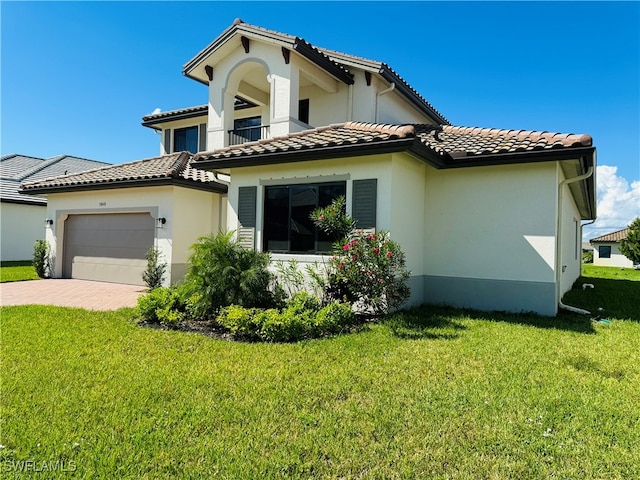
77 77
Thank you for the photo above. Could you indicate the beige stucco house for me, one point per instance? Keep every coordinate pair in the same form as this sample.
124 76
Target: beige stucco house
488 218
606 250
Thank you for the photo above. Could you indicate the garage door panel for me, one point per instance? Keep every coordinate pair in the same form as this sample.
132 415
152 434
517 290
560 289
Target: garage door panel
108 247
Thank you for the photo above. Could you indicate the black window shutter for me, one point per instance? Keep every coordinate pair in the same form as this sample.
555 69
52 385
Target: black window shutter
167 140
247 206
363 208
202 146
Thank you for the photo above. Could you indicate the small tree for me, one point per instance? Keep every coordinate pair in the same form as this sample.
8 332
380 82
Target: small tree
154 274
41 258
630 246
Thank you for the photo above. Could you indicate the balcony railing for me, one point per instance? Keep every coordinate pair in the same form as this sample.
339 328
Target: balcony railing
238 136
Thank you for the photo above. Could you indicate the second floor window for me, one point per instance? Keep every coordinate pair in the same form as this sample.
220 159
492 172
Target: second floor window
248 128
185 139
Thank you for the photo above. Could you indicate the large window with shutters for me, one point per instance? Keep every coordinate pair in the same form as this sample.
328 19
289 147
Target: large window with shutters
287 226
188 139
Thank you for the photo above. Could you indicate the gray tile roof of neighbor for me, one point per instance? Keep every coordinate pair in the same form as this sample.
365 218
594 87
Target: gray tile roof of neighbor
16 168
443 145
173 169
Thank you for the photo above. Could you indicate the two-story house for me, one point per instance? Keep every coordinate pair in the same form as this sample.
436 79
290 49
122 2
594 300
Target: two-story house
488 218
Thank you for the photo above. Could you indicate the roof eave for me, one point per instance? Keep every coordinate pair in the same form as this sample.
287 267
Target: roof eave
147 182
295 156
403 88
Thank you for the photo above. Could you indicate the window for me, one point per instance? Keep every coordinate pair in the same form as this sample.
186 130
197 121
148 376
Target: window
248 128
303 110
185 140
604 251
287 226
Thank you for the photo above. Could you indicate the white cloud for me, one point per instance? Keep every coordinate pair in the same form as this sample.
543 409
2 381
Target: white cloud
618 202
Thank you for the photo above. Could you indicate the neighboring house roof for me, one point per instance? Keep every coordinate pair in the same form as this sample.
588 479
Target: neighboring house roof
611 237
335 63
173 169
443 146
171 115
15 169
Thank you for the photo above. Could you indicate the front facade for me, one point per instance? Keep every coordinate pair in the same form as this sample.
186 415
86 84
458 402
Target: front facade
488 218
606 250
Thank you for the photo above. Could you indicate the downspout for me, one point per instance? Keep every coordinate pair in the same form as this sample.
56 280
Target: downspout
559 265
383 92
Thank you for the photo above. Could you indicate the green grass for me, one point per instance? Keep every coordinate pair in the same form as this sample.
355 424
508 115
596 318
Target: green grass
430 393
16 271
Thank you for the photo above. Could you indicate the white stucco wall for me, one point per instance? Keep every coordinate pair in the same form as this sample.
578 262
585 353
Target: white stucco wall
570 239
20 226
617 259
493 222
330 101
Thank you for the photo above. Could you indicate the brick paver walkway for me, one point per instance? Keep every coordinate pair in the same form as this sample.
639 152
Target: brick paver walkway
70 293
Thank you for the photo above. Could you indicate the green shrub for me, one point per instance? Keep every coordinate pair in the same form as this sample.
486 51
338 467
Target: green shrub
334 318
240 321
41 258
161 305
154 274
587 257
302 318
222 273
333 219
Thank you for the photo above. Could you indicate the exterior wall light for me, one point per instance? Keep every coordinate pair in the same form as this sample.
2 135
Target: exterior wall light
48 222
160 222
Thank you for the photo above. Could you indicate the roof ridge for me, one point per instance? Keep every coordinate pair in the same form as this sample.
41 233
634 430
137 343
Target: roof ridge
566 139
178 165
402 131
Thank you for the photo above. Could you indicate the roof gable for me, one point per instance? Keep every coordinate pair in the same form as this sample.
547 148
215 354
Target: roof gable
335 63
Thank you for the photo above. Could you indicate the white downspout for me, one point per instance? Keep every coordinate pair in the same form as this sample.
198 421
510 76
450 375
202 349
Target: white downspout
383 92
559 265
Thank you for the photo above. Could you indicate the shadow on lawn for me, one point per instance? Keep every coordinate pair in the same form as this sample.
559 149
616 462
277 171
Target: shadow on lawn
618 299
446 323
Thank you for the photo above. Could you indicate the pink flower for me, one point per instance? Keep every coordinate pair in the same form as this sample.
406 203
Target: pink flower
321 217
376 250
346 247
389 254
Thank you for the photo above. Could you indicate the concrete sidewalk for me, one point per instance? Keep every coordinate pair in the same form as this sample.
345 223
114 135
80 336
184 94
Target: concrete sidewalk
70 293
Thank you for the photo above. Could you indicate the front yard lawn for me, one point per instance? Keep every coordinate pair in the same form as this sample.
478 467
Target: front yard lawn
429 393
11 271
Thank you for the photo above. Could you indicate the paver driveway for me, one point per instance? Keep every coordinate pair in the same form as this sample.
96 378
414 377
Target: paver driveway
70 293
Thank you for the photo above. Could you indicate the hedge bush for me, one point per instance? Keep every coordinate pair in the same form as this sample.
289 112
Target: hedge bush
302 318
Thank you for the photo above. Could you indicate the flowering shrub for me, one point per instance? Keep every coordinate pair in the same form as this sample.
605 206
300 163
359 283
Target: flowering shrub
369 269
333 220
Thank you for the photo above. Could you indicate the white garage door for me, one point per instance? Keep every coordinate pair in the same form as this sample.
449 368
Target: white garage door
107 247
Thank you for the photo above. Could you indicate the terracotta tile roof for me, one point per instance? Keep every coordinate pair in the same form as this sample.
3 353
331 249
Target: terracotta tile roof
175 167
469 141
449 142
611 237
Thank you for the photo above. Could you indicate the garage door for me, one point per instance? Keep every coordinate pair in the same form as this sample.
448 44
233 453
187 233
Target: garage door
107 247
